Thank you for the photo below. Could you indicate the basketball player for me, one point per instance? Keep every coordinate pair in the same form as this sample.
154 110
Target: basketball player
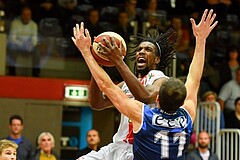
167 128
153 53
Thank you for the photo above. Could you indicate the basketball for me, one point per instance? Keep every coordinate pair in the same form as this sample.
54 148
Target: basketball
100 58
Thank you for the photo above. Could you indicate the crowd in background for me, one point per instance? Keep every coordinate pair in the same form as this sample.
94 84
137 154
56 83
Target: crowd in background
56 18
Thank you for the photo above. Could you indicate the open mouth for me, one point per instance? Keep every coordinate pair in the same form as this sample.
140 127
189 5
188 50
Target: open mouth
141 61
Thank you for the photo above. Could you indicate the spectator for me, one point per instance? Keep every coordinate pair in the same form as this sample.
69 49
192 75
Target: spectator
233 118
227 70
134 13
124 27
229 92
202 152
45 151
46 9
69 13
92 22
93 141
211 96
182 45
8 150
24 149
22 40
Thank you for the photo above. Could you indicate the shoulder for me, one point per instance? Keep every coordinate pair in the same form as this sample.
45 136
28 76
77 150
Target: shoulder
192 154
26 142
56 155
214 155
154 73
35 155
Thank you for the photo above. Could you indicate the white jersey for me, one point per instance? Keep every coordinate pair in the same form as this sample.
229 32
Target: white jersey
125 129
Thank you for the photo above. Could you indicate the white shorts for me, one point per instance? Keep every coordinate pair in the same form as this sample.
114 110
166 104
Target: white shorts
113 151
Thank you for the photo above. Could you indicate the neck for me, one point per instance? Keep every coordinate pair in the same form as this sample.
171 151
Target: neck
202 150
48 153
233 62
93 147
15 136
237 115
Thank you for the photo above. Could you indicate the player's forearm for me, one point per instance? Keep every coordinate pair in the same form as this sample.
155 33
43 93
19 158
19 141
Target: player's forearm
101 77
96 99
137 89
197 64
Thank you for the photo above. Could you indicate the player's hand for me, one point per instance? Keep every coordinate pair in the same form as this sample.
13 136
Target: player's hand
82 38
111 50
205 26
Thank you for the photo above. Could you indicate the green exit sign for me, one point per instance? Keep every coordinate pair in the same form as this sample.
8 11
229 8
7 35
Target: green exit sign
76 92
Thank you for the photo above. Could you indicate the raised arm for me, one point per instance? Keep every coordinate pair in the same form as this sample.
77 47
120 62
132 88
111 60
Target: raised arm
125 105
201 32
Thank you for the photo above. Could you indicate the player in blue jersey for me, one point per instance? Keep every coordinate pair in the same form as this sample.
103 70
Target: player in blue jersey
163 132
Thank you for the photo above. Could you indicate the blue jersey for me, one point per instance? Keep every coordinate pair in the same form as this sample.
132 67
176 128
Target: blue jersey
162 135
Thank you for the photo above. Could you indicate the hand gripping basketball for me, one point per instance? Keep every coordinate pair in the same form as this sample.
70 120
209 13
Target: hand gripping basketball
96 49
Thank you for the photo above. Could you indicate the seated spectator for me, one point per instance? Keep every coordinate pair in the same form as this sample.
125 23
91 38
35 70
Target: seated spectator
93 141
182 44
233 118
92 22
229 92
211 96
22 40
202 152
227 70
45 151
8 150
124 27
45 9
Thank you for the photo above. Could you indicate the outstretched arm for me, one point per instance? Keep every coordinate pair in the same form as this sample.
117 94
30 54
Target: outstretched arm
201 32
127 106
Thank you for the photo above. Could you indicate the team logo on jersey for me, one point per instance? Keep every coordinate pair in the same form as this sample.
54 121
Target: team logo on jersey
179 122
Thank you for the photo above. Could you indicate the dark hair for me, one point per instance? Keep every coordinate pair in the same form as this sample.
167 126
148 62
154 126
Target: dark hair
18 117
164 42
172 94
236 100
232 48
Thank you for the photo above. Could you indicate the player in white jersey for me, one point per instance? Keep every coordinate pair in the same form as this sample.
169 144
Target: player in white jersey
172 95
152 53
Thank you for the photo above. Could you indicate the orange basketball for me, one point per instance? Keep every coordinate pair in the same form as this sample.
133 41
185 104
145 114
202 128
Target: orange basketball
100 58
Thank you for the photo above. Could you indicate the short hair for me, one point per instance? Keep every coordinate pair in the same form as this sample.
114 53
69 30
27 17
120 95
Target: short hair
4 143
203 131
92 130
18 117
209 93
236 100
46 134
172 94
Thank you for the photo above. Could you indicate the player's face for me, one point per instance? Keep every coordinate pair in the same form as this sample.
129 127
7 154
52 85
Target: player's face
16 127
8 154
203 140
93 138
146 58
